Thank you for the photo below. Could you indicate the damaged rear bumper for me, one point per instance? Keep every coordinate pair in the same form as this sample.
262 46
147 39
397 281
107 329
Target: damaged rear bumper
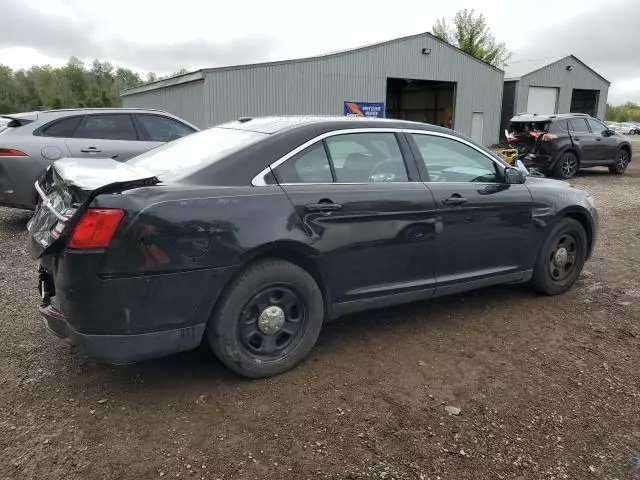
122 349
539 161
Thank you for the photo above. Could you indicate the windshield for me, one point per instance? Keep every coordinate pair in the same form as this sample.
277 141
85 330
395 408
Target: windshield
182 157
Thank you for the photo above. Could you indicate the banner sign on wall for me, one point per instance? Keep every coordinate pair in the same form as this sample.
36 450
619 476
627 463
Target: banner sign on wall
364 109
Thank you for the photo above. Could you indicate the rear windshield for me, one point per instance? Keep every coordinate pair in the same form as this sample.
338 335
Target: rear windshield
183 157
525 127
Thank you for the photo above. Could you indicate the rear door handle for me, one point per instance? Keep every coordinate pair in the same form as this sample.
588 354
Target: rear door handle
322 207
454 201
90 150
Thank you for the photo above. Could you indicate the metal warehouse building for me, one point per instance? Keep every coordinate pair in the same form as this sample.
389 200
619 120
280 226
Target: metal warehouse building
416 78
565 85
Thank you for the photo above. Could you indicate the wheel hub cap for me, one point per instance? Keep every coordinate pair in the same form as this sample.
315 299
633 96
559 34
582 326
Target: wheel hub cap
271 320
560 257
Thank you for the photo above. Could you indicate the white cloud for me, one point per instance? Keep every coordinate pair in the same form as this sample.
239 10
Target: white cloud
165 36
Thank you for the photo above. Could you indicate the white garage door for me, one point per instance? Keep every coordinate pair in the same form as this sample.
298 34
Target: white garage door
542 100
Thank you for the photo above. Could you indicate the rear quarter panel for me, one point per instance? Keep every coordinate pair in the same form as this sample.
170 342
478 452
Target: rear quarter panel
170 230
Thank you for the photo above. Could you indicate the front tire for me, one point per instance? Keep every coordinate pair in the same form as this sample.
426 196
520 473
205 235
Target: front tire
622 162
561 258
567 166
267 320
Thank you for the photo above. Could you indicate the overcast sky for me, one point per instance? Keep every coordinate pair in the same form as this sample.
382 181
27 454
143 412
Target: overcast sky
165 36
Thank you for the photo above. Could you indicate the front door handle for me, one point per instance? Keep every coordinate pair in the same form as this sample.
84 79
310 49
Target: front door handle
598 139
322 207
454 201
90 150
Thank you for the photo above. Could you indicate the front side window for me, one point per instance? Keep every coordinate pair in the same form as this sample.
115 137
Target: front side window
308 166
107 127
578 125
449 160
367 157
162 129
596 127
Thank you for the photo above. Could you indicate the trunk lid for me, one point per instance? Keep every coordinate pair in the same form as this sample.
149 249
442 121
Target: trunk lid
67 188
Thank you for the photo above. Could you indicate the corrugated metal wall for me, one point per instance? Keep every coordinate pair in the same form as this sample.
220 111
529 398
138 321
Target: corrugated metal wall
557 75
184 100
321 85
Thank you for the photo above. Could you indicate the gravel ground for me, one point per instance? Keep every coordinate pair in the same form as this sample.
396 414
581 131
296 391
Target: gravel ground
546 387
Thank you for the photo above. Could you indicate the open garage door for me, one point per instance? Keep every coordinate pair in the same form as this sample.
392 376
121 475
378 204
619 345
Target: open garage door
584 101
542 100
421 101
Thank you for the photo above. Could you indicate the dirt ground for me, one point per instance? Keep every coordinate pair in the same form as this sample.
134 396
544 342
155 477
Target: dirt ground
548 388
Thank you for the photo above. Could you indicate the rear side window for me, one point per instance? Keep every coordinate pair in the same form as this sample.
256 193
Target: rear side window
596 127
107 127
309 166
367 157
578 125
559 127
162 129
63 128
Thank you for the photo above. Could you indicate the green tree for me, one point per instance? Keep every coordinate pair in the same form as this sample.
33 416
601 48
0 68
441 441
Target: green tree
69 86
472 35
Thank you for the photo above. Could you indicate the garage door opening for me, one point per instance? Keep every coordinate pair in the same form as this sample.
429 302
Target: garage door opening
421 101
584 101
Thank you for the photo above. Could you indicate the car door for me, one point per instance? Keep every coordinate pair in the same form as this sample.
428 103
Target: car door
582 138
486 233
371 220
607 145
107 135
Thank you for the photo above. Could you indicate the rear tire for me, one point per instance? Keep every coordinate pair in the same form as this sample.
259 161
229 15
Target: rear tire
561 258
267 320
567 166
622 162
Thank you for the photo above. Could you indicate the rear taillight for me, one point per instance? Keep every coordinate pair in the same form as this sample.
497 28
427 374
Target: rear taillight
96 228
11 152
547 137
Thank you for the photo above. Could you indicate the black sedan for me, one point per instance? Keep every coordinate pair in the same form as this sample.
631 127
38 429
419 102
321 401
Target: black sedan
250 235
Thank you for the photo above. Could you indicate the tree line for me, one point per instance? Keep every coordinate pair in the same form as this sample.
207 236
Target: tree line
71 86
628 112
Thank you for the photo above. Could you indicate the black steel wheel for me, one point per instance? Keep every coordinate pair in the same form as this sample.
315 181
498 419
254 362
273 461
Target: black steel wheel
272 320
267 320
622 162
561 258
567 165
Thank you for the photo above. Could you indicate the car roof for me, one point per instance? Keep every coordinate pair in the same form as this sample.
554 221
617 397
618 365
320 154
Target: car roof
63 112
534 117
276 124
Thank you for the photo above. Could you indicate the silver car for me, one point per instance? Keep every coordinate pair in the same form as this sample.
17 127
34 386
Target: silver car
30 141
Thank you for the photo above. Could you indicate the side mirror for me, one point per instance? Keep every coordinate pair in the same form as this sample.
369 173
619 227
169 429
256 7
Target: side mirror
513 176
607 133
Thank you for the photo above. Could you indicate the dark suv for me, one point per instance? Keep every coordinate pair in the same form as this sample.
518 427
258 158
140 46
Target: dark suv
559 145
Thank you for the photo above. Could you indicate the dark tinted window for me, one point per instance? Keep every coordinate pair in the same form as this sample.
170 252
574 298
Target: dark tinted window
367 157
578 125
162 129
62 128
309 166
596 126
108 127
449 160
